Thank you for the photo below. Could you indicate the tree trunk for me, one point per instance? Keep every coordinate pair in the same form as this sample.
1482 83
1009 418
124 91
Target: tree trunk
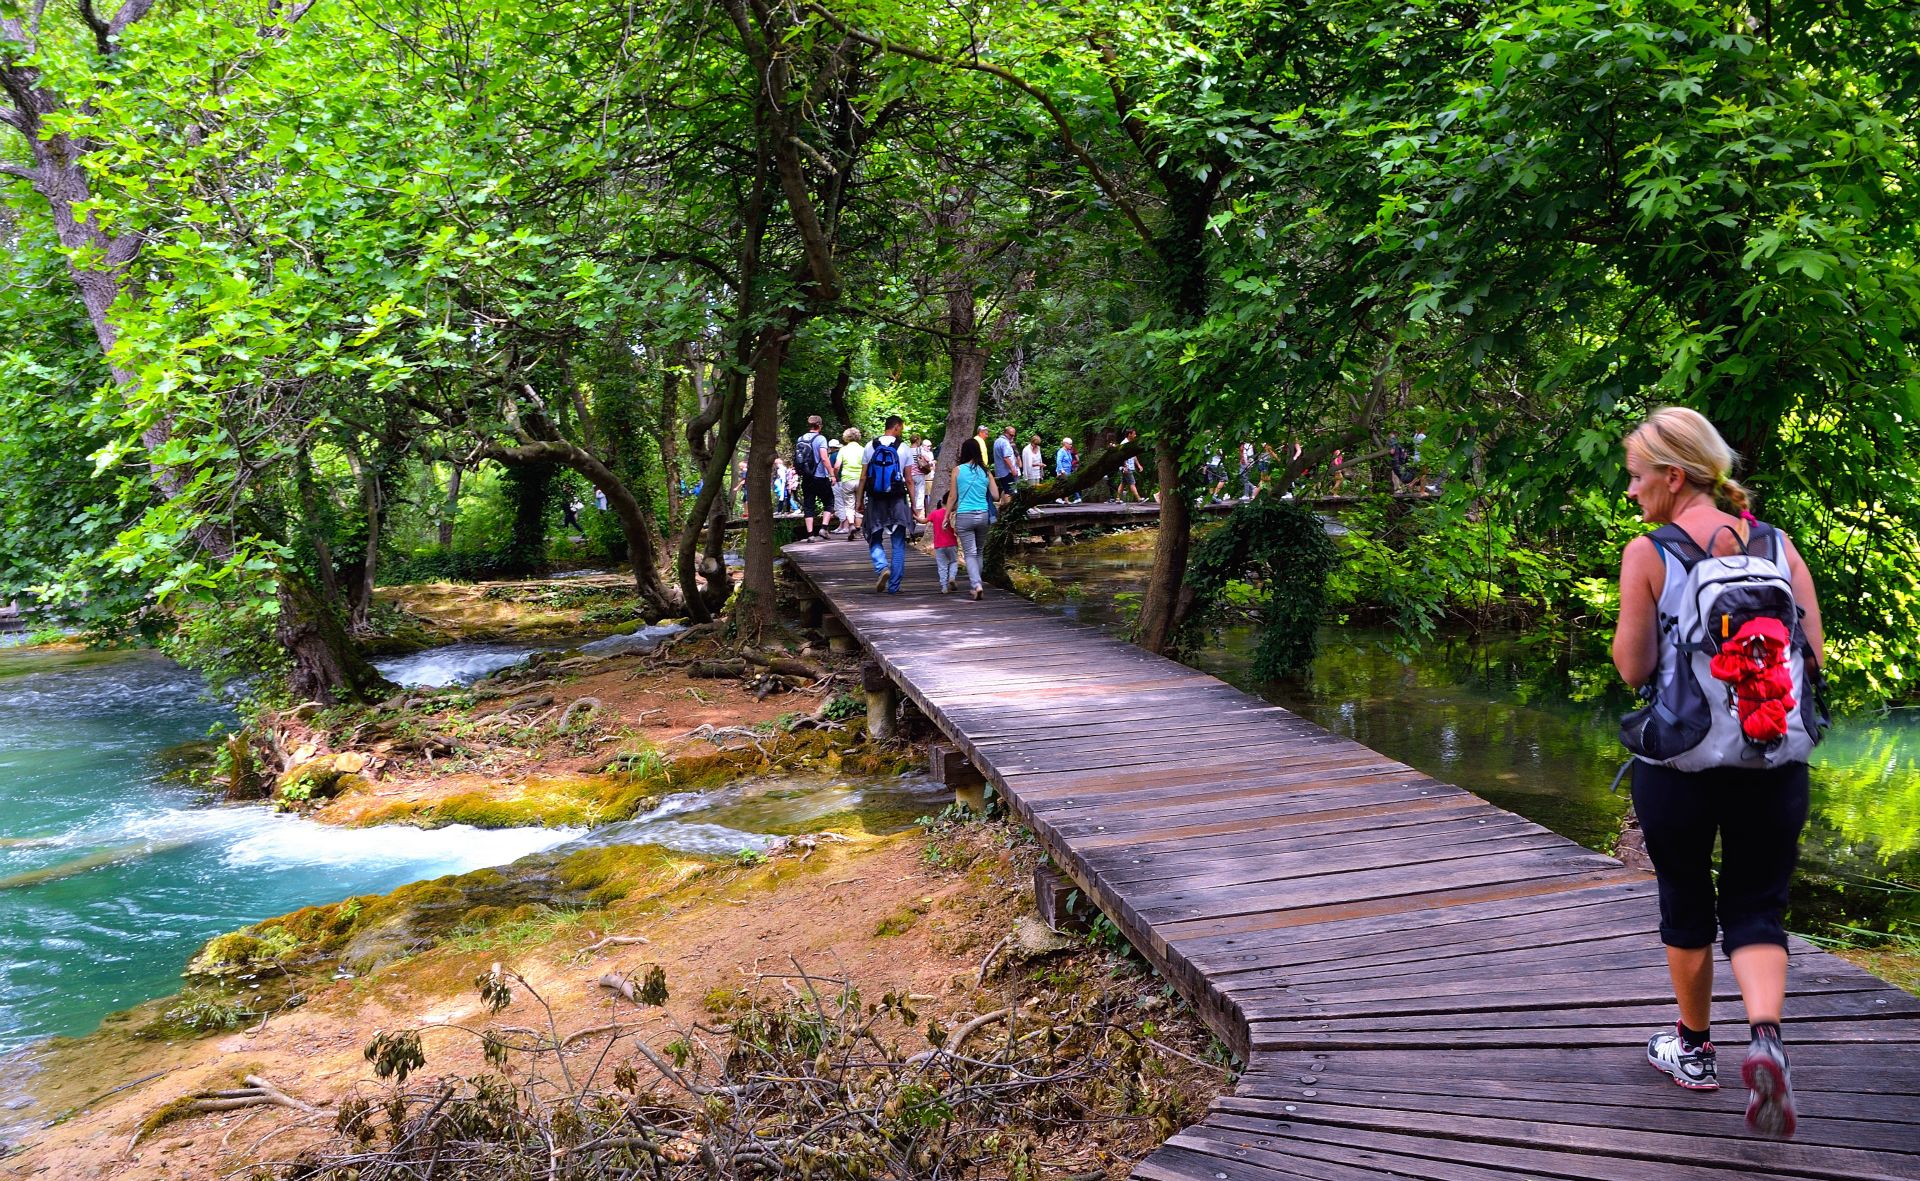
963 411
360 594
755 611
636 523
711 436
326 666
664 429
837 395
453 507
313 522
529 487
1163 606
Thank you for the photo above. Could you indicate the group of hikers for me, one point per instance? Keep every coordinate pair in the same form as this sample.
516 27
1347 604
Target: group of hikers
879 491
831 470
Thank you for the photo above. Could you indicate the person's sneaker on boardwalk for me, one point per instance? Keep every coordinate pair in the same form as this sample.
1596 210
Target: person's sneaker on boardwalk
1769 1086
1693 1069
880 583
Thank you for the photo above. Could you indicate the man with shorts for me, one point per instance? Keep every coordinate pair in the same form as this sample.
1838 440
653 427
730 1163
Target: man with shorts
1130 472
816 479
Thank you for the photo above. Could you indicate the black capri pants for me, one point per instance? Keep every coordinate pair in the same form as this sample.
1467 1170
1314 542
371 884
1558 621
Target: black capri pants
1757 815
816 492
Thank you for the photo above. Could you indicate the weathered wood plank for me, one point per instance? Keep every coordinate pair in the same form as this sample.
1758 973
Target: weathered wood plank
1426 986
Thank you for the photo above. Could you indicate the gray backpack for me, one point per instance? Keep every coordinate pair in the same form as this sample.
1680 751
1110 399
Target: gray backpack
1691 721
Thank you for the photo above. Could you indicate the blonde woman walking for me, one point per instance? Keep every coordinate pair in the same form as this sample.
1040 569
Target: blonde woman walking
1720 624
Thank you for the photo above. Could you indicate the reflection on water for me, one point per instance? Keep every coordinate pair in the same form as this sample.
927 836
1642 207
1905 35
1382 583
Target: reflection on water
1510 721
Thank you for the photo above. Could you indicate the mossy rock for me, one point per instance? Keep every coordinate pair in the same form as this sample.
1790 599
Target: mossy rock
323 777
227 955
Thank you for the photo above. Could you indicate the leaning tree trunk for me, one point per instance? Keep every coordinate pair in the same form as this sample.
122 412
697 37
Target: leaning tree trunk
360 594
636 523
326 666
707 518
755 611
837 393
670 440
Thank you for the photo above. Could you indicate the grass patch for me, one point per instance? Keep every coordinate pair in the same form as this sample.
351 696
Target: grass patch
542 926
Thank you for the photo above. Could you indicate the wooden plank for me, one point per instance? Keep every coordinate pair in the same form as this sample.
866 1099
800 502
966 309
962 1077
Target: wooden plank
1635 1139
1717 1114
1463 992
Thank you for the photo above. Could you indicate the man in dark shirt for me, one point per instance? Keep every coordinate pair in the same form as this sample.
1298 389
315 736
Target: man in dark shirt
882 503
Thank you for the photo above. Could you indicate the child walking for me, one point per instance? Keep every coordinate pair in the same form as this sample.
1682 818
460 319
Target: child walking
946 549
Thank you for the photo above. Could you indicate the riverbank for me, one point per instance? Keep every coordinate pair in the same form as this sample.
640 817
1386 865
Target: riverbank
922 919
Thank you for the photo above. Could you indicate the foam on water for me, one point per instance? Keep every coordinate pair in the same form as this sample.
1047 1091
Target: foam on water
290 841
465 663
645 639
456 664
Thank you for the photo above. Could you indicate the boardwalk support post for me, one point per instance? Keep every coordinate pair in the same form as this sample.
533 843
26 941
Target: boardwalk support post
1058 901
839 639
812 612
882 702
952 767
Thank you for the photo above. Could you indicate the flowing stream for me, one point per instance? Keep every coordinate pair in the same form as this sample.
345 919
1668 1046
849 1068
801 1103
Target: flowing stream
112 874
1506 719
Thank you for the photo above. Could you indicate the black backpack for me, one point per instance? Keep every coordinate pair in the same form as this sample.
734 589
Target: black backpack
883 470
806 457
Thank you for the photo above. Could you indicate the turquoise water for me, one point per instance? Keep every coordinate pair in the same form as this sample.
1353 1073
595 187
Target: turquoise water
1519 724
111 876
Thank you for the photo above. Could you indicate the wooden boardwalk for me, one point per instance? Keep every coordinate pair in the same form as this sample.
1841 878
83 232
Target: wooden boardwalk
1422 985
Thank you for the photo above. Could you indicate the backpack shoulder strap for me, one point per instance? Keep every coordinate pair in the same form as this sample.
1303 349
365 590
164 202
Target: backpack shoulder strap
1776 550
1673 541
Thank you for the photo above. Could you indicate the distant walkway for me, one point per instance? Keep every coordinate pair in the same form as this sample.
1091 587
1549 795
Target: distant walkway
1423 985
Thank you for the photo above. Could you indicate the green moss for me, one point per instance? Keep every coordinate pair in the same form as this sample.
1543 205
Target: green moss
226 955
900 921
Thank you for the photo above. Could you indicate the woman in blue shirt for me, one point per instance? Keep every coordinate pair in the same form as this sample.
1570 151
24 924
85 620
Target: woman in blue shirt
968 497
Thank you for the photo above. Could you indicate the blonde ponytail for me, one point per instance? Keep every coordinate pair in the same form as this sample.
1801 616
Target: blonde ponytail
1674 436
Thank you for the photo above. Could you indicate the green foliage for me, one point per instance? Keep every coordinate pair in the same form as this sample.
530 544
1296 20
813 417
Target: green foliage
206 1012
395 1055
845 705
1283 545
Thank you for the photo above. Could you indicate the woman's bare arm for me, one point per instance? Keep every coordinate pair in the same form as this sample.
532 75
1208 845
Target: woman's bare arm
1635 638
1808 601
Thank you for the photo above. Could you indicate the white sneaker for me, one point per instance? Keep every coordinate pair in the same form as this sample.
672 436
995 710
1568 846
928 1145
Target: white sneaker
1692 1069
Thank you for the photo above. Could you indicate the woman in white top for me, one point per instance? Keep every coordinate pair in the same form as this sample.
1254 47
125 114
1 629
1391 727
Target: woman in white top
1033 461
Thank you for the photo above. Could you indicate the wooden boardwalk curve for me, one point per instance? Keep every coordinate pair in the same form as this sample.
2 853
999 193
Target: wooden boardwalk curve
1422 985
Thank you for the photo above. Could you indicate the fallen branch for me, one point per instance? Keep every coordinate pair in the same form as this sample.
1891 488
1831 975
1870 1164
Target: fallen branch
784 666
615 982
981 977
614 941
583 706
952 1045
719 734
258 1092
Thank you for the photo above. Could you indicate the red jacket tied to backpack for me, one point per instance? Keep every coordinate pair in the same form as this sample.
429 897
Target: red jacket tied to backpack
1754 664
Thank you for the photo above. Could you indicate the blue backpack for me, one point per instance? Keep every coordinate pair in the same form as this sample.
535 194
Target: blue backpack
883 470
